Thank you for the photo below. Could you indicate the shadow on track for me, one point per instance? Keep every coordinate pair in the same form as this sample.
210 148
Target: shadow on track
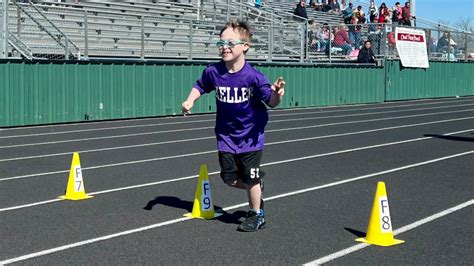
454 138
355 232
228 218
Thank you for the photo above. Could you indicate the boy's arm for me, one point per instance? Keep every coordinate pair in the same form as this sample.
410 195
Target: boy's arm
278 90
186 106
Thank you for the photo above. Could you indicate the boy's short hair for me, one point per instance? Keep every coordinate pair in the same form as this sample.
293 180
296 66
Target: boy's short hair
242 27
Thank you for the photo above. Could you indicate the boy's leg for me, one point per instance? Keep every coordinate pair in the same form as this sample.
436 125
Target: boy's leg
250 174
229 170
255 216
254 193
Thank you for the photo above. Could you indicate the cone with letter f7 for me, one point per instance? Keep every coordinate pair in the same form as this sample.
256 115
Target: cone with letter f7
203 207
379 231
75 185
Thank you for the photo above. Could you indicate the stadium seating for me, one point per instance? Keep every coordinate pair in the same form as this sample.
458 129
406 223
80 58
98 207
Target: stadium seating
159 29
170 30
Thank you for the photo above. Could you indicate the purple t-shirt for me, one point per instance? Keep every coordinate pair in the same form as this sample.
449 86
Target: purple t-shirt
241 114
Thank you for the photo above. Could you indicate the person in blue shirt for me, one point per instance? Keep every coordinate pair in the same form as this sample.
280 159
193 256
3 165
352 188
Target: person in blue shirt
347 13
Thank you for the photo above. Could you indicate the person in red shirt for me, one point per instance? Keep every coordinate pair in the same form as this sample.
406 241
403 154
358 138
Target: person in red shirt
397 14
406 14
383 13
341 40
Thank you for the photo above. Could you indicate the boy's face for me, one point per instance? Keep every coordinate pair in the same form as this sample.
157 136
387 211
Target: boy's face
235 47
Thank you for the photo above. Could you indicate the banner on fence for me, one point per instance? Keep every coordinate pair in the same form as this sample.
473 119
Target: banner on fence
411 47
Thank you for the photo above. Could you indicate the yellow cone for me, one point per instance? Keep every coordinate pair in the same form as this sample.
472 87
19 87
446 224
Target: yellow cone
380 230
203 207
75 185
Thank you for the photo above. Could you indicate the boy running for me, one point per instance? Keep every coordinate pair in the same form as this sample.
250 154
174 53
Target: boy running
242 97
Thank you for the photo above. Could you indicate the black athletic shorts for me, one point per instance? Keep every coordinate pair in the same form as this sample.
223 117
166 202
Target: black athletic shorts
243 166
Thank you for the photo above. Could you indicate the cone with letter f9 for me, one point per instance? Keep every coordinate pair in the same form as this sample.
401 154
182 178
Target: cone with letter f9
380 231
203 207
75 185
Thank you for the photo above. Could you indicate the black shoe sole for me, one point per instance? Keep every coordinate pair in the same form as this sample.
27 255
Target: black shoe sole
262 226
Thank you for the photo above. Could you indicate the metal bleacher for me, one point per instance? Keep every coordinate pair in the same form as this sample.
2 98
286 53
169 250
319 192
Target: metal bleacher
153 30
102 29
319 16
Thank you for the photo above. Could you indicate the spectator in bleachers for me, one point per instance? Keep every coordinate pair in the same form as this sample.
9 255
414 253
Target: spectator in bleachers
347 13
391 43
446 44
324 37
366 55
300 9
334 6
260 3
372 26
391 40
406 14
316 5
383 13
432 46
373 11
397 14
375 35
326 6
342 5
359 14
318 37
341 40
313 36
388 19
355 32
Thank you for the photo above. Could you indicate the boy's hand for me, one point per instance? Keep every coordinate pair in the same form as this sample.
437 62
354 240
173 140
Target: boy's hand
279 86
186 107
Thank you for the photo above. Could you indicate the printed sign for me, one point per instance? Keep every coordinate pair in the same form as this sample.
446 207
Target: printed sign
78 179
385 223
206 202
411 47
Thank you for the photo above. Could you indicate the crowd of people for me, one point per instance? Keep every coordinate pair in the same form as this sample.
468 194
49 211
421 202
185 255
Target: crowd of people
382 14
347 37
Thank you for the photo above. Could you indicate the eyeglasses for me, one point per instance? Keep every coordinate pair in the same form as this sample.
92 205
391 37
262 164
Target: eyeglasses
230 43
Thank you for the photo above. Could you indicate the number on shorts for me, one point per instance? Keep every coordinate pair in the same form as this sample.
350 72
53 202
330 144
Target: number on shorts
254 172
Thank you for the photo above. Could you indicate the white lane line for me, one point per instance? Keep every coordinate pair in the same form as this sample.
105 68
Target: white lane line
93 240
213 137
108 128
268 144
107 149
322 109
265 164
403 229
175 221
31 205
325 109
212 120
106 137
202 128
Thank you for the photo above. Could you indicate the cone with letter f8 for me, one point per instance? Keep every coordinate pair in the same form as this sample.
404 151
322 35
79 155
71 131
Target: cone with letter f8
75 185
379 231
203 207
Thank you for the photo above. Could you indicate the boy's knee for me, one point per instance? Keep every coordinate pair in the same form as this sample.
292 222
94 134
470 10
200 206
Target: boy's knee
231 183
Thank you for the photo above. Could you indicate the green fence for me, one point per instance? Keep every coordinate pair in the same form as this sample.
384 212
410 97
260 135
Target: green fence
34 93
441 79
